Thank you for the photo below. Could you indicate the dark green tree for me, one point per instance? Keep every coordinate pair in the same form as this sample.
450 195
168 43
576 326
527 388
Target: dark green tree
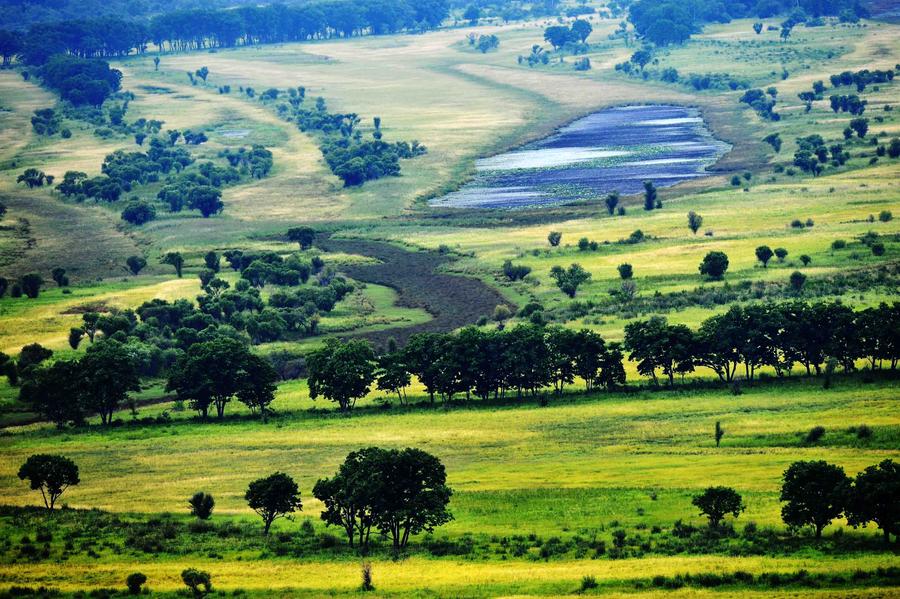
873 498
202 505
275 496
341 371
714 265
108 373
304 236
814 493
174 259
717 502
49 474
136 264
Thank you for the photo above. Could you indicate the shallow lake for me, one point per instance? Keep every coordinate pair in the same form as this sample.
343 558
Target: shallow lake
616 149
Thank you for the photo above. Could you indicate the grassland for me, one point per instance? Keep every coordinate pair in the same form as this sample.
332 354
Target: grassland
580 466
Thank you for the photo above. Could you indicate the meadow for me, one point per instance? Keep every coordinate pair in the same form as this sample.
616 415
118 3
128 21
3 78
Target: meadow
537 488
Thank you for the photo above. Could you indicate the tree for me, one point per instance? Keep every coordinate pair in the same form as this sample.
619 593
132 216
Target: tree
781 254
211 373
764 253
720 432
625 271
611 201
59 277
714 265
108 372
581 29
136 264
695 221
774 140
134 582
212 261
32 355
49 474
805 259
797 280
650 201
54 392
31 284
197 581
275 496
341 371
873 498
32 177
554 238
202 505
757 27
349 496
305 236
717 502
557 36
75 336
138 213
411 494
655 344
641 58
814 493
206 199
568 280
175 259
860 126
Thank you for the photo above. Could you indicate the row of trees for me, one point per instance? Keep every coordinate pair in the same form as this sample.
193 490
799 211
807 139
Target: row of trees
484 363
203 28
815 493
814 335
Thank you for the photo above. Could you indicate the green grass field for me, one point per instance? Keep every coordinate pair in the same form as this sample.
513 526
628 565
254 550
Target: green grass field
583 466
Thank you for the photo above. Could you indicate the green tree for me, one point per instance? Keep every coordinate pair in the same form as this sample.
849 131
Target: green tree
815 493
304 236
655 344
75 336
554 237
781 254
275 496
31 284
717 502
108 372
874 499
341 371
136 264
764 253
797 280
55 392
695 221
174 259
206 199
198 582
650 196
49 474
568 280
202 505
625 271
134 582
611 201
581 29
714 265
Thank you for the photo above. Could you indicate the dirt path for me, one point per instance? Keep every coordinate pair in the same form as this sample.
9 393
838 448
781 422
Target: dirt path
454 301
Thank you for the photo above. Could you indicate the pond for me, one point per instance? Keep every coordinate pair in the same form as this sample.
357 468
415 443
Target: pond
616 149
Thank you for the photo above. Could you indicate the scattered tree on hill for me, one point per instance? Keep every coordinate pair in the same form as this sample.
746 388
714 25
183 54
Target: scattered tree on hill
781 254
717 502
275 496
134 582
174 259
695 221
568 280
797 280
138 213
650 199
611 201
714 265
198 582
305 236
49 474
59 277
108 373
814 493
625 271
202 505
764 253
31 284
554 237
860 126
720 432
32 177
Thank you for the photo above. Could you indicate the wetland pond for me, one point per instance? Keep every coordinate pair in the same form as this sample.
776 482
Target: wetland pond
616 149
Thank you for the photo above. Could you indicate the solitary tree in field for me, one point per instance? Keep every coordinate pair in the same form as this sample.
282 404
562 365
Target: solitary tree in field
874 498
49 474
714 265
720 432
136 264
805 259
568 280
611 201
781 254
815 494
554 237
202 505
797 280
174 259
156 63
198 582
273 497
764 253
31 284
717 502
625 271
757 27
695 221
649 195
581 29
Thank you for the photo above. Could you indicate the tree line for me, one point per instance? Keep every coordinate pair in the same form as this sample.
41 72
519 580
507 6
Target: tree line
183 30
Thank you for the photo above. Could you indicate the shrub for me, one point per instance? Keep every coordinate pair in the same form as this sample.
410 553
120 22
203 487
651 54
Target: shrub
202 505
838 244
134 582
814 435
587 583
885 216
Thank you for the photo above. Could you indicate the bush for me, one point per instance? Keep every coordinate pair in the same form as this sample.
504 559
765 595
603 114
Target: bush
587 583
885 216
814 435
134 582
138 213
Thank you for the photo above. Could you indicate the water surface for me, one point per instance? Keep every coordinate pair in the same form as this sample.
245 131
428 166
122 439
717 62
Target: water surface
616 149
